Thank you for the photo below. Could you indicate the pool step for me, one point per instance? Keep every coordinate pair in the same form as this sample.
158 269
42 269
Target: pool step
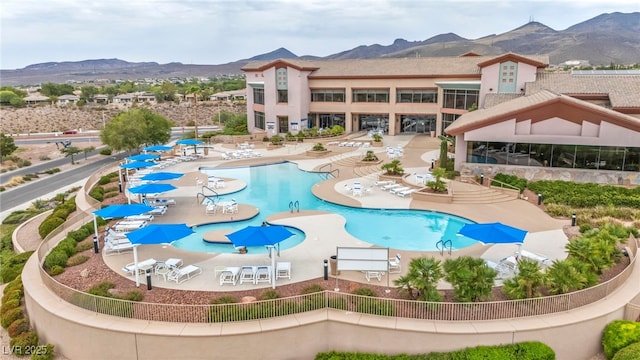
480 195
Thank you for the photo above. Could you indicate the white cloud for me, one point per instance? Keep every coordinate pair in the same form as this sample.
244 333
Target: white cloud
220 31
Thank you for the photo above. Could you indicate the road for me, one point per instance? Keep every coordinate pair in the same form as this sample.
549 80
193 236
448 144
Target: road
49 183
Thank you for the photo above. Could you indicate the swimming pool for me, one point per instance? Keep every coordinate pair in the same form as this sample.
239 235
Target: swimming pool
274 188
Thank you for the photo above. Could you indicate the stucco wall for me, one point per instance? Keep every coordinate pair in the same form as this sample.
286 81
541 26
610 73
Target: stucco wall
573 335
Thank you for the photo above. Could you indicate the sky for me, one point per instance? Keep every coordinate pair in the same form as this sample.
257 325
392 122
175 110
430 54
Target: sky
212 32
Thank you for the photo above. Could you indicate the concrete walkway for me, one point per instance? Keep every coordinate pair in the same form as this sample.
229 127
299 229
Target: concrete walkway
326 231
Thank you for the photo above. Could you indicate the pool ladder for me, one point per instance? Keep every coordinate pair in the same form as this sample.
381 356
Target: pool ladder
294 205
442 246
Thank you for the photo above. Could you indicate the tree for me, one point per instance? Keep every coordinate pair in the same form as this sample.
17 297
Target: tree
88 92
70 151
87 150
527 282
438 185
7 146
421 280
130 129
393 168
569 275
471 278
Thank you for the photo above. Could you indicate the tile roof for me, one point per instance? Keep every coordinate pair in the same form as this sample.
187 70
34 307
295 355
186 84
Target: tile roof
476 119
390 67
623 90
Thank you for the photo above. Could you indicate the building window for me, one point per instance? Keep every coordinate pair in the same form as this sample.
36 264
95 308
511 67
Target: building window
281 79
326 121
283 124
448 119
417 123
283 96
258 120
371 95
374 122
327 95
258 96
460 99
417 96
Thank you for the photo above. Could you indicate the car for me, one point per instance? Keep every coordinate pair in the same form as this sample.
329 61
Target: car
69 132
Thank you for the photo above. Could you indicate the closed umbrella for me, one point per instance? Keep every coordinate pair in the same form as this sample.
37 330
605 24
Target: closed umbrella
262 236
156 234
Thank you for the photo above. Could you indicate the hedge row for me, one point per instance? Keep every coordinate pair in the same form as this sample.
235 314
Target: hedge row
58 257
57 217
618 335
519 351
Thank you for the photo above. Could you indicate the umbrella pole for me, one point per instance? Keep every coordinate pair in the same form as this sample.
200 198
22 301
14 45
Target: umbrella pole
273 267
95 225
135 265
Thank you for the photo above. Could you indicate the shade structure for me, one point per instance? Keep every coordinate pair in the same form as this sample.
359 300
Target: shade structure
262 236
117 211
122 210
155 234
493 233
259 235
188 142
163 175
138 165
158 148
152 189
143 157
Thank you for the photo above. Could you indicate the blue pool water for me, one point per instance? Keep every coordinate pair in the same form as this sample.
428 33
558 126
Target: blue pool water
273 188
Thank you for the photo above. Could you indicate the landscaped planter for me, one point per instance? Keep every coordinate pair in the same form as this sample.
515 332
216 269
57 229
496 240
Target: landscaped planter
368 163
377 144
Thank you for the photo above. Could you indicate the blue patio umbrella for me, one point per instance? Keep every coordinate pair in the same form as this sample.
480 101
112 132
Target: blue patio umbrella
143 157
156 234
137 165
493 233
158 148
118 211
163 175
152 188
188 142
259 236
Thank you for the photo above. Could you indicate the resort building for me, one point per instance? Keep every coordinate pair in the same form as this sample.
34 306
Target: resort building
502 110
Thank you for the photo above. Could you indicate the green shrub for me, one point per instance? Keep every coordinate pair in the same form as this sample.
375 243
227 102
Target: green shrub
57 257
52 171
56 270
9 305
79 235
134 295
318 147
24 343
12 295
18 327
14 285
12 266
46 352
77 259
631 352
312 289
48 225
104 180
68 245
364 292
269 295
85 245
619 334
97 193
102 289
105 151
10 316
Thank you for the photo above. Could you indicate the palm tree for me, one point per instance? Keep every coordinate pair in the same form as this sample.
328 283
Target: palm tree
421 280
471 278
569 275
528 281
393 168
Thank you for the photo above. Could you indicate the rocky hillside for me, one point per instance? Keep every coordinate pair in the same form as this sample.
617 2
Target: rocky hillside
51 118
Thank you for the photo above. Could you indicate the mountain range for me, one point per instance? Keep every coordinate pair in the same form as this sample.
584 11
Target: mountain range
603 40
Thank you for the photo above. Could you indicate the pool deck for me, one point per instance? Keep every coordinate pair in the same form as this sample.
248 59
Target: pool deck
326 231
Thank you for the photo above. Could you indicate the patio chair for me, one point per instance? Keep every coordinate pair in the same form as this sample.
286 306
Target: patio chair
390 186
406 192
142 217
180 275
263 274
398 189
247 274
229 275
373 274
283 270
394 265
141 267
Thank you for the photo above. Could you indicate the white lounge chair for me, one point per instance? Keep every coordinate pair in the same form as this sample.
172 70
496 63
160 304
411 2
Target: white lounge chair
394 265
283 270
398 189
247 274
229 275
142 266
142 217
384 182
373 274
158 210
162 202
542 260
406 192
263 274
180 275
110 248
390 186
